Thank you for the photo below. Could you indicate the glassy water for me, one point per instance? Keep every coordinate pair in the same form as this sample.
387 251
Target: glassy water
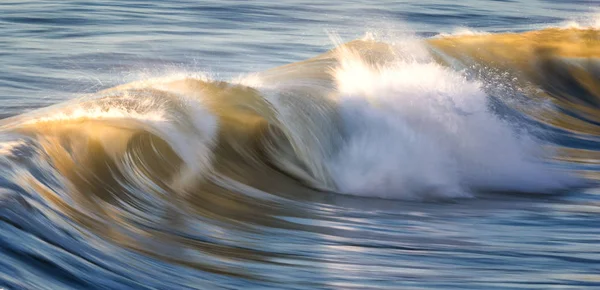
299 145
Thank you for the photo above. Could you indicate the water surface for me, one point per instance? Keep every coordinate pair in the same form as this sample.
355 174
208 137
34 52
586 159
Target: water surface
299 145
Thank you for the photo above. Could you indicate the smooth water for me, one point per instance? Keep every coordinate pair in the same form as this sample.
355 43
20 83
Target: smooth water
454 145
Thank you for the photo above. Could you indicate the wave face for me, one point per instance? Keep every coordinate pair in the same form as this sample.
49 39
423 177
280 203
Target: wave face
367 118
160 165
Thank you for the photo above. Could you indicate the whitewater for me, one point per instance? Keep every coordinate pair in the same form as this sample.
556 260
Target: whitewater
450 159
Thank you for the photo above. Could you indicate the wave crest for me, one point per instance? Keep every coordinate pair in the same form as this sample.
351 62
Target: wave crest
368 118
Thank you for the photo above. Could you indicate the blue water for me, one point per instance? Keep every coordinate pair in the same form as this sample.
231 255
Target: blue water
54 51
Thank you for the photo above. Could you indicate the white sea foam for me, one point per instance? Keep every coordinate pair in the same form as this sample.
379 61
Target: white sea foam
463 31
588 21
419 130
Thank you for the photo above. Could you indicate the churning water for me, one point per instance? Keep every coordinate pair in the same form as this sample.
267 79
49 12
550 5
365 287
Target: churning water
299 145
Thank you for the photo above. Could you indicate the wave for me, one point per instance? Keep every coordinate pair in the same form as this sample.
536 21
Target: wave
448 117
194 171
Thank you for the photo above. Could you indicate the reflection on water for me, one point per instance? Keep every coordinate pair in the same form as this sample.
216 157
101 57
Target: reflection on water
461 161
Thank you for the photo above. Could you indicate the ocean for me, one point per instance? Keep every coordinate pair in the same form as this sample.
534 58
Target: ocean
300 144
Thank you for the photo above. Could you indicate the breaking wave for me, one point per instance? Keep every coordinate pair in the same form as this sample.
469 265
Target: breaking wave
450 116
159 165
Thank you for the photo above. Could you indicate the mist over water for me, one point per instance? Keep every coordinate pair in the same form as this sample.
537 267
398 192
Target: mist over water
299 145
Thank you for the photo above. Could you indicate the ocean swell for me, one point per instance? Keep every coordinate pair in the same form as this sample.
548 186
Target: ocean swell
367 118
